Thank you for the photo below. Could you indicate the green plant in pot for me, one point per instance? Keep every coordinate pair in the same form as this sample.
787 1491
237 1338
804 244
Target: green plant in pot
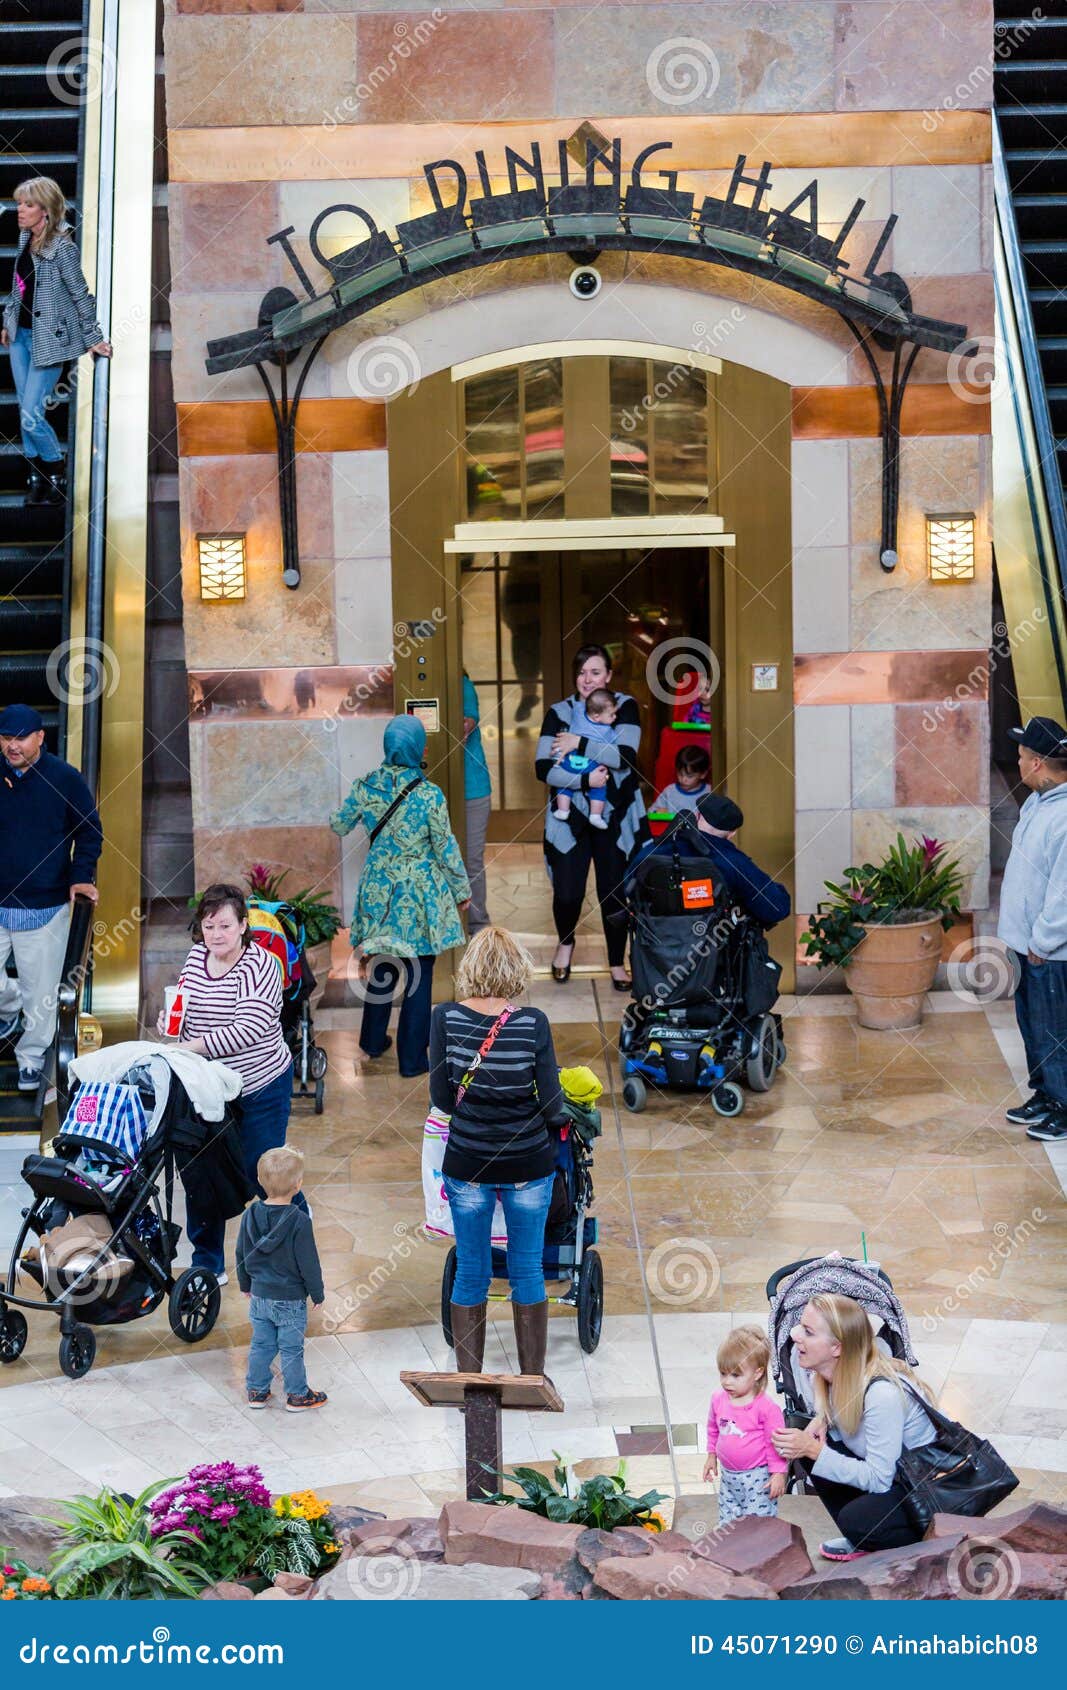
883 926
602 1501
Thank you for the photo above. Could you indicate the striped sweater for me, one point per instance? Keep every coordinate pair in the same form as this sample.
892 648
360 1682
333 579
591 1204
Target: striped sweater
237 1016
626 817
499 1131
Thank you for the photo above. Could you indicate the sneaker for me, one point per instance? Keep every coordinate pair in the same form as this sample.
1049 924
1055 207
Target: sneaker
1052 1129
8 1029
840 1549
259 1399
1036 1108
310 1399
29 1079
222 1279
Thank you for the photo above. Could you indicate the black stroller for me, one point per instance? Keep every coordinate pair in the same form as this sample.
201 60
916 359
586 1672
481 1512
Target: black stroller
99 1238
278 928
704 988
795 1284
570 1233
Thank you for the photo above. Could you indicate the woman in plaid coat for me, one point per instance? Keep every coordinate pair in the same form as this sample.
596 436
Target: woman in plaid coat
49 320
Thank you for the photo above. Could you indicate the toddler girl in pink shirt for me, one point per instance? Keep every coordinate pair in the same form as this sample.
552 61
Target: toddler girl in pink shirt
741 1419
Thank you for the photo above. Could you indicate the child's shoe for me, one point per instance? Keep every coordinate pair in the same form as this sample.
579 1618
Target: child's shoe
840 1549
598 821
259 1399
310 1399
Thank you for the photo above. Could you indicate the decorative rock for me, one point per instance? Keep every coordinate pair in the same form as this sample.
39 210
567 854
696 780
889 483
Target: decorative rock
415 1536
768 1549
1038 1529
345 1518
675 1578
497 1536
294 1584
226 1590
273 1594
918 1572
391 1578
27 1529
571 1583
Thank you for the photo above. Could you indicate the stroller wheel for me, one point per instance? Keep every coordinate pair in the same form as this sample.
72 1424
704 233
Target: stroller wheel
762 1063
590 1301
194 1305
448 1280
13 1334
728 1099
77 1352
634 1093
318 1063
320 1096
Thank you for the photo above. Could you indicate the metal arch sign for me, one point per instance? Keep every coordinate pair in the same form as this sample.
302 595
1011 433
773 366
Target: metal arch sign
582 212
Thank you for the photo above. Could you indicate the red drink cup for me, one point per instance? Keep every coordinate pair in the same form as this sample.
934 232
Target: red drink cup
173 1011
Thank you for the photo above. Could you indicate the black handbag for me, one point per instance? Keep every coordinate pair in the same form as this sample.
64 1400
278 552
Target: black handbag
760 974
959 1473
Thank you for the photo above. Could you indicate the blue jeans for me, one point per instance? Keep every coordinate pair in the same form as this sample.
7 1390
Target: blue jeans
277 1329
525 1211
413 1029
1041 1011
264 1119
34 385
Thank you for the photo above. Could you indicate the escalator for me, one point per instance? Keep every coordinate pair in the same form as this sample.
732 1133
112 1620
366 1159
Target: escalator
41 134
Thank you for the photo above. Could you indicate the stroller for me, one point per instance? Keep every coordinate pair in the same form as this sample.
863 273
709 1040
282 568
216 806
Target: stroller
795 1284
704 988
278 928
570 1234
102 1239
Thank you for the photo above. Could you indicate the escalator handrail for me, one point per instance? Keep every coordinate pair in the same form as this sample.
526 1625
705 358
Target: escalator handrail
68 996
1035 378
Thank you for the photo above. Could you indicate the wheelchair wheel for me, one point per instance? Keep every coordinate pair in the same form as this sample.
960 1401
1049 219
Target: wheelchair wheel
77 1352
13 1335
762 1063
448 1280
590 1301
728 1099
194 1305
634 1093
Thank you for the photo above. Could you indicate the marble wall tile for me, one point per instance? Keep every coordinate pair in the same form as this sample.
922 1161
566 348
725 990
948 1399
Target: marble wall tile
312 853
873 756
364 609
277 774
229 71
891 56
462 68
197 318
966 829
940 226
664 59
359 749
820 472
823 763
942 755
234 8
821 600
823 849
218 237
240 493
361 504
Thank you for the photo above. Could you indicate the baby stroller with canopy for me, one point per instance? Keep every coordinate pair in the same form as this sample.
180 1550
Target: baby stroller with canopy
794 1285
278 928
99 1237
570 1233
704 988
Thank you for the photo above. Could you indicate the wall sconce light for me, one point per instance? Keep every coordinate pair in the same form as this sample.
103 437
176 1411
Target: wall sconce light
950 547
222 566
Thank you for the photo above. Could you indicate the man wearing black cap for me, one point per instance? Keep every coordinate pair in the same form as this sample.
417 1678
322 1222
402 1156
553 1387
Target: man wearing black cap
709 832
1033 922
50 840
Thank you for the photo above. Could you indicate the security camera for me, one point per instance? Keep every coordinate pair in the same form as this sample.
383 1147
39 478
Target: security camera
585 282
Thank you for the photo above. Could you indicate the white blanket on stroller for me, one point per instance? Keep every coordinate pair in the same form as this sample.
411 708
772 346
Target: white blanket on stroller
209 1086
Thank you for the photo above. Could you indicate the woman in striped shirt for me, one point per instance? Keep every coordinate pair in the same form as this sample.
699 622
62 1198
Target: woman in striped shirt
493 1070
232 992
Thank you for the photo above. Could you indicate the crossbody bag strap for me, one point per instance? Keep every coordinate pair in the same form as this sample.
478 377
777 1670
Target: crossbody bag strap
483 1051
395 805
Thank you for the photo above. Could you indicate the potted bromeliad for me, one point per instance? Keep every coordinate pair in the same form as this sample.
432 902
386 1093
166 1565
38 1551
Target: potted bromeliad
883 927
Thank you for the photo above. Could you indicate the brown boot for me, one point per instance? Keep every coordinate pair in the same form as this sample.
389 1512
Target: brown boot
468 1336
531 1335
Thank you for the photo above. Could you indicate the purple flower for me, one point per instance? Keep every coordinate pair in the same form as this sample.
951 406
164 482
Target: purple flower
224 1511
199 1501
172 1522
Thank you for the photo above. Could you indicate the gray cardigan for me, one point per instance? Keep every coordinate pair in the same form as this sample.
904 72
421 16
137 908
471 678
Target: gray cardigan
64 311
893 1420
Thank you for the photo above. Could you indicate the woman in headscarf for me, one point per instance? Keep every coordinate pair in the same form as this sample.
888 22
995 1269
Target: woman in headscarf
410 893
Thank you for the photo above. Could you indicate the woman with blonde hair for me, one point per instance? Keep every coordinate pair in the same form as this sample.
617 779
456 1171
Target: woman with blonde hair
49 318
493 1070
867 1409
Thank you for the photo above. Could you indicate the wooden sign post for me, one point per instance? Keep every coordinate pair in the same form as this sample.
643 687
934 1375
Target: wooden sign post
482 1396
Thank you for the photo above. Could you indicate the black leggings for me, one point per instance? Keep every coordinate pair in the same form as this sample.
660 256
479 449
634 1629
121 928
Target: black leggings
569 871
868 1519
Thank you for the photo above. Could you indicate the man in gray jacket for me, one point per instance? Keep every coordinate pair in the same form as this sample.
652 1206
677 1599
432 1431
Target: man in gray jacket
1033 923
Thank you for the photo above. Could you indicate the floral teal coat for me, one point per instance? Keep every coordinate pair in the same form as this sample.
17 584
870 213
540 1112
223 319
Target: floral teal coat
414 875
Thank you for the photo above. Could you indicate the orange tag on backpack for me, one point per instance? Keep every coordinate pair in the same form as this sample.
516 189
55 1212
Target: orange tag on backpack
697 894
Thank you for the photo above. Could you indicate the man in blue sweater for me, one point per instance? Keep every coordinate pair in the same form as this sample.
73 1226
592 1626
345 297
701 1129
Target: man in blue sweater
710 833
50 840
1033 923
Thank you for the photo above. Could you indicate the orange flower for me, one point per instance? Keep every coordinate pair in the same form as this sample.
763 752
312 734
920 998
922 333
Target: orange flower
9 1594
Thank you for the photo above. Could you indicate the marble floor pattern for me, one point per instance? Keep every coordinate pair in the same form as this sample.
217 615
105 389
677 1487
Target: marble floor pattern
895 1139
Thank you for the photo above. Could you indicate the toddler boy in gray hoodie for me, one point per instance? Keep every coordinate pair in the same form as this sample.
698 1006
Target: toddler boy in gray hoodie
278 1266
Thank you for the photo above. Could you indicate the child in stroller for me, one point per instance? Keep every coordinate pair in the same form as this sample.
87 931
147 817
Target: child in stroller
278 928
704 982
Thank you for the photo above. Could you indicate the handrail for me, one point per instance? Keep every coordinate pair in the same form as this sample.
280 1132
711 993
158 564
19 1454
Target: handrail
1035 378
68 997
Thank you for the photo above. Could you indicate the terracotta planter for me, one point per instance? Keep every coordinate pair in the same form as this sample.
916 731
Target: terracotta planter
892 970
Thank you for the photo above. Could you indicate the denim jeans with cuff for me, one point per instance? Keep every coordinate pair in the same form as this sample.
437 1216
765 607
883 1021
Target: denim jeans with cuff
277 1329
